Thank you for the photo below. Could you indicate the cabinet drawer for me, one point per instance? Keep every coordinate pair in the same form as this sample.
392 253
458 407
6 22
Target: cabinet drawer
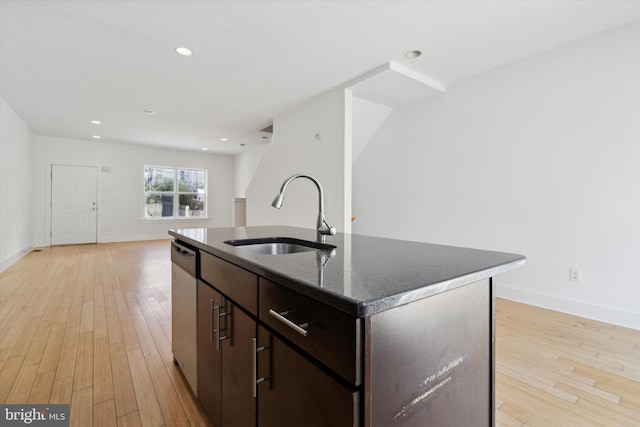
326 334
236 283
299 393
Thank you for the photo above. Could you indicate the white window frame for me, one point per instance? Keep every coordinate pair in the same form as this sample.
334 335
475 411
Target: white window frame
175 194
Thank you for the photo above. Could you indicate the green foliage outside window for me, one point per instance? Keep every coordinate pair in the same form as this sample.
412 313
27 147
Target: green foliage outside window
160 192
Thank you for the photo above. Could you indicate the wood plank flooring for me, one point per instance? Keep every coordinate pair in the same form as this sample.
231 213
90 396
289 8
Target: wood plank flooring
90 325
554 369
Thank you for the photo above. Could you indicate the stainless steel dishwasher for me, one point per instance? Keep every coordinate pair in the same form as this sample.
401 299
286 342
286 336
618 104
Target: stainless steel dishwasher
184 317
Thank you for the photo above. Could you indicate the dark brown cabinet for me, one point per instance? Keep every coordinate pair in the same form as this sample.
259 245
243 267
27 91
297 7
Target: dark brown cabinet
225 356
209 356
269 356
296 392
238 403
274 377
330 336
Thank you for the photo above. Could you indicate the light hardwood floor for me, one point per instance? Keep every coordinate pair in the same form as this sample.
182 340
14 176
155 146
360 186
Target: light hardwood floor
554 369
90 325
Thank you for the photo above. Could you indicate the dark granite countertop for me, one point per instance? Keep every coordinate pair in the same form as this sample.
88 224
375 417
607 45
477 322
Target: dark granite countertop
366 275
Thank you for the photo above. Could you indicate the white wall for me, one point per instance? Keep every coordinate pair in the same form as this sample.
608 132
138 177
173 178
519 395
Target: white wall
540 157
245 165
367 117
16 181
120 192
295 149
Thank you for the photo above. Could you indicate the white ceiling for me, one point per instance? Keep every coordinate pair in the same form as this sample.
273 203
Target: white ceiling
65 63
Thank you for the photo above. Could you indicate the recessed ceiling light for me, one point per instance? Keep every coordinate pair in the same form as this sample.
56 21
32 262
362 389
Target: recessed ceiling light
412 54
205 149
96 122
96 136
149 111
184 51
224 139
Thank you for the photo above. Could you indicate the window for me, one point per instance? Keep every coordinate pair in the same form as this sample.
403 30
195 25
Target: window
163 186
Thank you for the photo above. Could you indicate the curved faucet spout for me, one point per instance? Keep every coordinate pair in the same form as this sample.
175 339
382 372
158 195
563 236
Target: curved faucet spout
324 228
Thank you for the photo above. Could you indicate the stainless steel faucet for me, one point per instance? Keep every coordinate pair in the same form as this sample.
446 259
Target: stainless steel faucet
324 228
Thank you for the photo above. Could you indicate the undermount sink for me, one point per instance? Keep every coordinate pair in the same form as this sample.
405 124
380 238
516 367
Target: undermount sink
279 245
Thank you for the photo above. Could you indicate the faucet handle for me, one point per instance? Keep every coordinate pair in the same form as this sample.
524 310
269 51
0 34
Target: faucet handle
326 229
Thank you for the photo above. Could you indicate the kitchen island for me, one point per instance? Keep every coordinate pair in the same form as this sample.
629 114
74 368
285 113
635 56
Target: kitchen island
376 332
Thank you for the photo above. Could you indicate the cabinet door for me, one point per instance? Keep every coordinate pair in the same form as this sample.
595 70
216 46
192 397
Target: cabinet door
209 352
238 402
298 393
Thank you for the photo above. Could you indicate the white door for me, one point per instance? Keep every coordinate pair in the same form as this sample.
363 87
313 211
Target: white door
74 199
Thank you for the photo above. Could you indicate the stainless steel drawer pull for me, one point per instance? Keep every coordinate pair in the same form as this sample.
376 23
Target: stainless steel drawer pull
211 311
216 330
220 328
257 380
298 328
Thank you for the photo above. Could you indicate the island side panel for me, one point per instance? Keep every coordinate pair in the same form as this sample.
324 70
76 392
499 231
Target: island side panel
430 362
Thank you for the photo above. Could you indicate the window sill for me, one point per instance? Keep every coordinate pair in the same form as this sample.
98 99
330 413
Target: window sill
171 220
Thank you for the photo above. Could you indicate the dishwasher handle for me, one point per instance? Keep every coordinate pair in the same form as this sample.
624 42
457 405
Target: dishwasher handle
184 257
182 251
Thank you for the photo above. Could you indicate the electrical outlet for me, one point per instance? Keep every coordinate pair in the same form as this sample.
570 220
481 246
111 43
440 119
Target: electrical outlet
575 275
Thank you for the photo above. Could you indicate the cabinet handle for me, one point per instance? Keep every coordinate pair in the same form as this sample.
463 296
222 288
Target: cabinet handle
257 380
220 329
211 310
217 309
215 330
298 328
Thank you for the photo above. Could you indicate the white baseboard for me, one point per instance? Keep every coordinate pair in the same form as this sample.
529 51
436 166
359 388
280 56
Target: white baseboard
611 315
134 238
14 258
122 238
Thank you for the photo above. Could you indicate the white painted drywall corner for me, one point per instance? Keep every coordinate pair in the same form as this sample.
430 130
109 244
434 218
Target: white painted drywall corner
394 85
539 157
308 139
367 117
17 147
245 165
